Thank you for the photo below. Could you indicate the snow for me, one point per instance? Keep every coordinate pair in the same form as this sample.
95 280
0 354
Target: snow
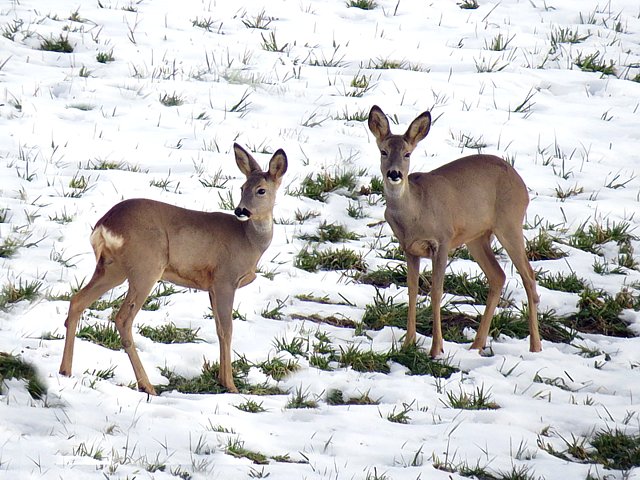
579 129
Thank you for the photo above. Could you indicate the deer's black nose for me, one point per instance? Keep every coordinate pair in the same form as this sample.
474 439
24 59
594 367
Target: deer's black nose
394 176
242 214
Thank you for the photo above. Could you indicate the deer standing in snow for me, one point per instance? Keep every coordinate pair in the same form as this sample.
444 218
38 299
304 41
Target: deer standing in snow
467 201
144 241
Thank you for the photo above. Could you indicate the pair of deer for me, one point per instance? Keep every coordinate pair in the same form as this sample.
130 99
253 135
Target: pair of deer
464 202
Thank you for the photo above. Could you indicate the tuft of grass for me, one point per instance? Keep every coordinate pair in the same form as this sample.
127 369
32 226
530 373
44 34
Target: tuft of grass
477 400
60 44
9 247
330 232
207 381
594 63
364 360
565 35
499 43
515 325
616 450
208 24
401 416
419 362
105 57
278 368
541 247
169 333
251 406
331 259
301 399
24 290
323 183
105 335
270 44
468 4
591 237
14 367
362 4
570 283
261 21
361 85
599 313
336 397
235 448
171 100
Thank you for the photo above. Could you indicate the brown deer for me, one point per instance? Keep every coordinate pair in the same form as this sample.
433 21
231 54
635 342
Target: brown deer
466 201
144 241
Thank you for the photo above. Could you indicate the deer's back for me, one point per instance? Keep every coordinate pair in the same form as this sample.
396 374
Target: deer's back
190 245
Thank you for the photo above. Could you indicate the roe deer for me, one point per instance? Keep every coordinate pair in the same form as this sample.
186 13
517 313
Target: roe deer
144 241
466 201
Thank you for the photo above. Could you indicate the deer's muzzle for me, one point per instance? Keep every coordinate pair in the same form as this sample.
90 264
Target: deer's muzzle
242 214
394 176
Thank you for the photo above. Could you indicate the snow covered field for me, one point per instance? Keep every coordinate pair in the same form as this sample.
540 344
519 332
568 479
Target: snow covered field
105 100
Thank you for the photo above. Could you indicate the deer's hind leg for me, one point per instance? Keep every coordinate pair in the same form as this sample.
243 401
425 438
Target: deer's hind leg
140 286
512 240
105 277
480 249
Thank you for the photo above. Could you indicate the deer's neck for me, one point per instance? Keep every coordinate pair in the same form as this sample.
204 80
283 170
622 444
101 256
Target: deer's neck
259 232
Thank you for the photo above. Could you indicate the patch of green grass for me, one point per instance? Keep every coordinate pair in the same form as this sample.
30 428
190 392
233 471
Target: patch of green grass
616 450
463 284
278 368
468 4
105 335
541 247
207 381
14 367
317 187
331 259
594 63
392 274
10 246
301 399
261 21
336 397
570 283
363 360
599 313
105 57
251 406
401 416
419 362
362 4
330 232
60 44
592 236
207 24
499 43
169 333
270 43
171 100
295 346
477 400
24 290
357 116
235 448
515 324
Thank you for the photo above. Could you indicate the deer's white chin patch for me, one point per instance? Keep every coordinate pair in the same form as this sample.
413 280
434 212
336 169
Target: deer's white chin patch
394 181
242 218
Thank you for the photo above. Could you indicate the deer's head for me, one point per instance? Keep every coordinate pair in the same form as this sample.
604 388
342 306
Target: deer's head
395 150
260 188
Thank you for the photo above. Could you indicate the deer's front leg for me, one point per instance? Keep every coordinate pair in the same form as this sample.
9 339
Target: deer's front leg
413 272
439 265
222 305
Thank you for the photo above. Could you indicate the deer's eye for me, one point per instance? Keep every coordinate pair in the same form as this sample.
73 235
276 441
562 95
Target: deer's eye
383 153
261 191
407 155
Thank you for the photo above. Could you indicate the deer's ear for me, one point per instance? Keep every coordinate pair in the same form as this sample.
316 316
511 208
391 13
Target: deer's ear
378 124
418 128
246 163
278 164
